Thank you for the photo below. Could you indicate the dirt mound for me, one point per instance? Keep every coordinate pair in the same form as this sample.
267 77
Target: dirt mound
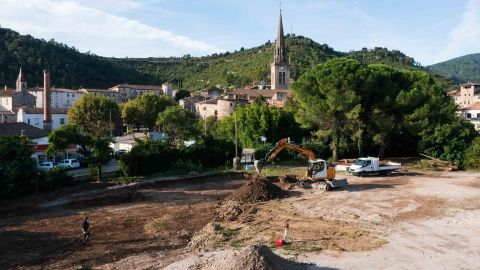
208 237
256 190
287 179
258 257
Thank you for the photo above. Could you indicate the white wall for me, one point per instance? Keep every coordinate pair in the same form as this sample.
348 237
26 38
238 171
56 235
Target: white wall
5 103
36 120
60 99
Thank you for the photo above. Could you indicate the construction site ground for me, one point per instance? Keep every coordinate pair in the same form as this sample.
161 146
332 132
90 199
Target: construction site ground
410 220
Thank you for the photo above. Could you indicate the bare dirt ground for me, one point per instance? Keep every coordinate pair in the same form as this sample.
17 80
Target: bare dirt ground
124 222
414 220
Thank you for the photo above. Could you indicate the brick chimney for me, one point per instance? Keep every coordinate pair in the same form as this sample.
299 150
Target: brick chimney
47 103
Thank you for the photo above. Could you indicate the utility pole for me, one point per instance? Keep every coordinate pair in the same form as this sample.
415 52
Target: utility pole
236 136
110 120
236 159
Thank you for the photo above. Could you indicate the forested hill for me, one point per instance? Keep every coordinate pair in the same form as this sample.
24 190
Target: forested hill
73 69
68 66
461 69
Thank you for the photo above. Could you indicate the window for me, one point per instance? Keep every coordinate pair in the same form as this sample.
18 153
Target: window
28 121
62 121
215 113
469 115
478 115
68 95
36 121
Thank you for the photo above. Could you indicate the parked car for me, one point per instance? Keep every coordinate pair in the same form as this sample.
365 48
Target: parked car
69 163
47 165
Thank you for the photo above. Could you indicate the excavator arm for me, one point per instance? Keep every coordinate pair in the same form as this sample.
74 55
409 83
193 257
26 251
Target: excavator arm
279 146
318 169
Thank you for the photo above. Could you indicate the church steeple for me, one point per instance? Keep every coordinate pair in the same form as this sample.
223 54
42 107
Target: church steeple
280 68
280 56
21 82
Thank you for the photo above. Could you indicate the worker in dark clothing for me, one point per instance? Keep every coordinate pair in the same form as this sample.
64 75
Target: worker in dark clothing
85 226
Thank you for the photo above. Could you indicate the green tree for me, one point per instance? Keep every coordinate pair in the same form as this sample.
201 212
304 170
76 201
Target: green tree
96 149
449 141
144 110
472 155
182 94
257 119
90 120
328 99
17 168
178 124
92 114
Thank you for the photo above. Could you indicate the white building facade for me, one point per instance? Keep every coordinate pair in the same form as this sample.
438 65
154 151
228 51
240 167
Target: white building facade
34 117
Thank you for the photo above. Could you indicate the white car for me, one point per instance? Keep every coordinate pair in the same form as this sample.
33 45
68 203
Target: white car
47 165
69 163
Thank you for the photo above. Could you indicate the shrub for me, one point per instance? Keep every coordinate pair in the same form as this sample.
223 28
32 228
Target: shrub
472 155
262 150
54 179
148 157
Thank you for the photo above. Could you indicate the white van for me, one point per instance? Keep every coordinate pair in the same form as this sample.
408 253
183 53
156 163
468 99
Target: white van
69 163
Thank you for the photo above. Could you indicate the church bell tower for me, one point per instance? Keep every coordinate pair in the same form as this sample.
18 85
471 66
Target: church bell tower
280 68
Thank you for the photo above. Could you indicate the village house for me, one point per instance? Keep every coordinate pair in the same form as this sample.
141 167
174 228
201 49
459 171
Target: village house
60 97
35 117
467 98
466 95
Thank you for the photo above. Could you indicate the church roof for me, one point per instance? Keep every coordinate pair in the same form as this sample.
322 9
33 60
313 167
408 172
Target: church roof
20 76
280 55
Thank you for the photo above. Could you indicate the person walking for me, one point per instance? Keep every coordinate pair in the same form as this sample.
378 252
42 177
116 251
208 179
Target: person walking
85 227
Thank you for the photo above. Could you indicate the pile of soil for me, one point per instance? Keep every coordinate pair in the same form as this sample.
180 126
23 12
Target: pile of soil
288 179
206 238
258 257
256 190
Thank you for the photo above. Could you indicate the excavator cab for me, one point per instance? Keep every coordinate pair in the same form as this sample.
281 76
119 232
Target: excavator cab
320 169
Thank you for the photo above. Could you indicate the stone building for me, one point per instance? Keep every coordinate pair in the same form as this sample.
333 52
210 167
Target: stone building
62 98
466 95
218 108
126 92
467 98
11 100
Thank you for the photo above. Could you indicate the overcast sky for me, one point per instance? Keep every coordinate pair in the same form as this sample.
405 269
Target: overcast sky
431 31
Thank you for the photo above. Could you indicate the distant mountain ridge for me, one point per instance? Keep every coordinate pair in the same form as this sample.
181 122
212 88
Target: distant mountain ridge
460 70
73 69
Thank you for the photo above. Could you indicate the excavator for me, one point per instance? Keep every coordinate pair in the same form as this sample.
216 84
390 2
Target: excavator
318 169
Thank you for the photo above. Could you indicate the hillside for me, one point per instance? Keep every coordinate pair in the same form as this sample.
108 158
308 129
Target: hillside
73 69
460 70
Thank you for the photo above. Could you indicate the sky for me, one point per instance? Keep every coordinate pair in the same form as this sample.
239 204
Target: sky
431 31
